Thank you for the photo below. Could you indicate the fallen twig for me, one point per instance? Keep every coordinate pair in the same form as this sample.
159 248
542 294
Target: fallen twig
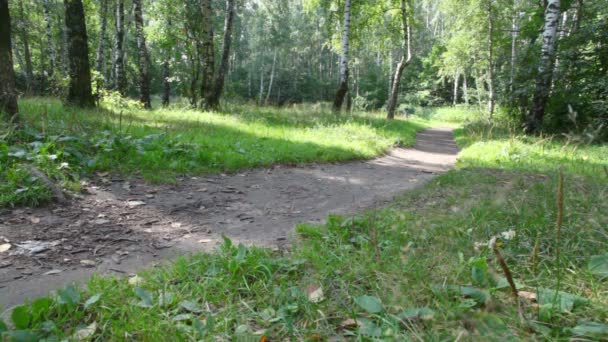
507 272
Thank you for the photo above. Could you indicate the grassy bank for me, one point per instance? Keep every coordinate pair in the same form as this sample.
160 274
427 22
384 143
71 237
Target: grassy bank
418 270
68 143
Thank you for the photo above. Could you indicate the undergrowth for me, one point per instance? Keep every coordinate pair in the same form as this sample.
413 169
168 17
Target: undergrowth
421 269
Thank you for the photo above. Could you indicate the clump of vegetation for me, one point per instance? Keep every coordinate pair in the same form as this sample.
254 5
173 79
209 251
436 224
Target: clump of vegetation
370 276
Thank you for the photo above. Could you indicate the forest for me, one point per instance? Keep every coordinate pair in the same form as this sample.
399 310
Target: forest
303 170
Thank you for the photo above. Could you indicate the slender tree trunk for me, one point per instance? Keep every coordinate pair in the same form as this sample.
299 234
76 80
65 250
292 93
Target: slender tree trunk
221 73
456 82
63 46
405 60
208 54
465 89
79 93
514 28
343 86
101 47
119 67
274 62
261 94
8 94
545 67
144 63
50 45
490 61
166 99
29 71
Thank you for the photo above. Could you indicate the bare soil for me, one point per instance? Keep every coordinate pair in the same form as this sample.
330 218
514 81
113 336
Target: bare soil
119 226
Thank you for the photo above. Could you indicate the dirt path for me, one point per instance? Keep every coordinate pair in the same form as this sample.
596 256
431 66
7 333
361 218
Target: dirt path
121 226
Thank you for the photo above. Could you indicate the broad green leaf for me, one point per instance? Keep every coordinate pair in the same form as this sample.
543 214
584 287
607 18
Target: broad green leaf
145 297
41 306
69 296
3 327
560 300
21 317
369 303
23 336
242 252
183 317
479 271
416 314
369 328
598 265
592 330
94 299
199 327
190 306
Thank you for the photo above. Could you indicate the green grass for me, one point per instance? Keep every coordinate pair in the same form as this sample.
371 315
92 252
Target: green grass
161 144
417 270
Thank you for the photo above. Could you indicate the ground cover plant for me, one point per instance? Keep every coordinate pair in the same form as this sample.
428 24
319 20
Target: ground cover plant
67 143
421 269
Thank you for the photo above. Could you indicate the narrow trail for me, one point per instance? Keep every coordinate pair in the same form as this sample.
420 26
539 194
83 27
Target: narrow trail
121 226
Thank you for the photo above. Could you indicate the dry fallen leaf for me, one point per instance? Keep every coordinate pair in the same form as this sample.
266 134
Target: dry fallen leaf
51 272
136 280
531 296
349 323
5 247
86 332
134 204
205 241
88 263
34 219
176 225
315 294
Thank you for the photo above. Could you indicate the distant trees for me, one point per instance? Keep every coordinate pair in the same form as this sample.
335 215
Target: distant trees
486 53
8 95
79 90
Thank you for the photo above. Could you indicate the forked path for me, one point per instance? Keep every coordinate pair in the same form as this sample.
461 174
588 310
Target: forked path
121 226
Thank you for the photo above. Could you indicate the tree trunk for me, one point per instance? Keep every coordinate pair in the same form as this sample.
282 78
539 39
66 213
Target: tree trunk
166 99
514 28
405 60
274 62
144 60
465 89
29 72
208 54
343 87
50 45
166 84
80 73
101 47
8 95
221 73
261 94
119 67
490 61
545 67
456 82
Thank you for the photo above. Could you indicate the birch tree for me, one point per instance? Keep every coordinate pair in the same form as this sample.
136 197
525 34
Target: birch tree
207 54
405 60
545 67
119 67
343 85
